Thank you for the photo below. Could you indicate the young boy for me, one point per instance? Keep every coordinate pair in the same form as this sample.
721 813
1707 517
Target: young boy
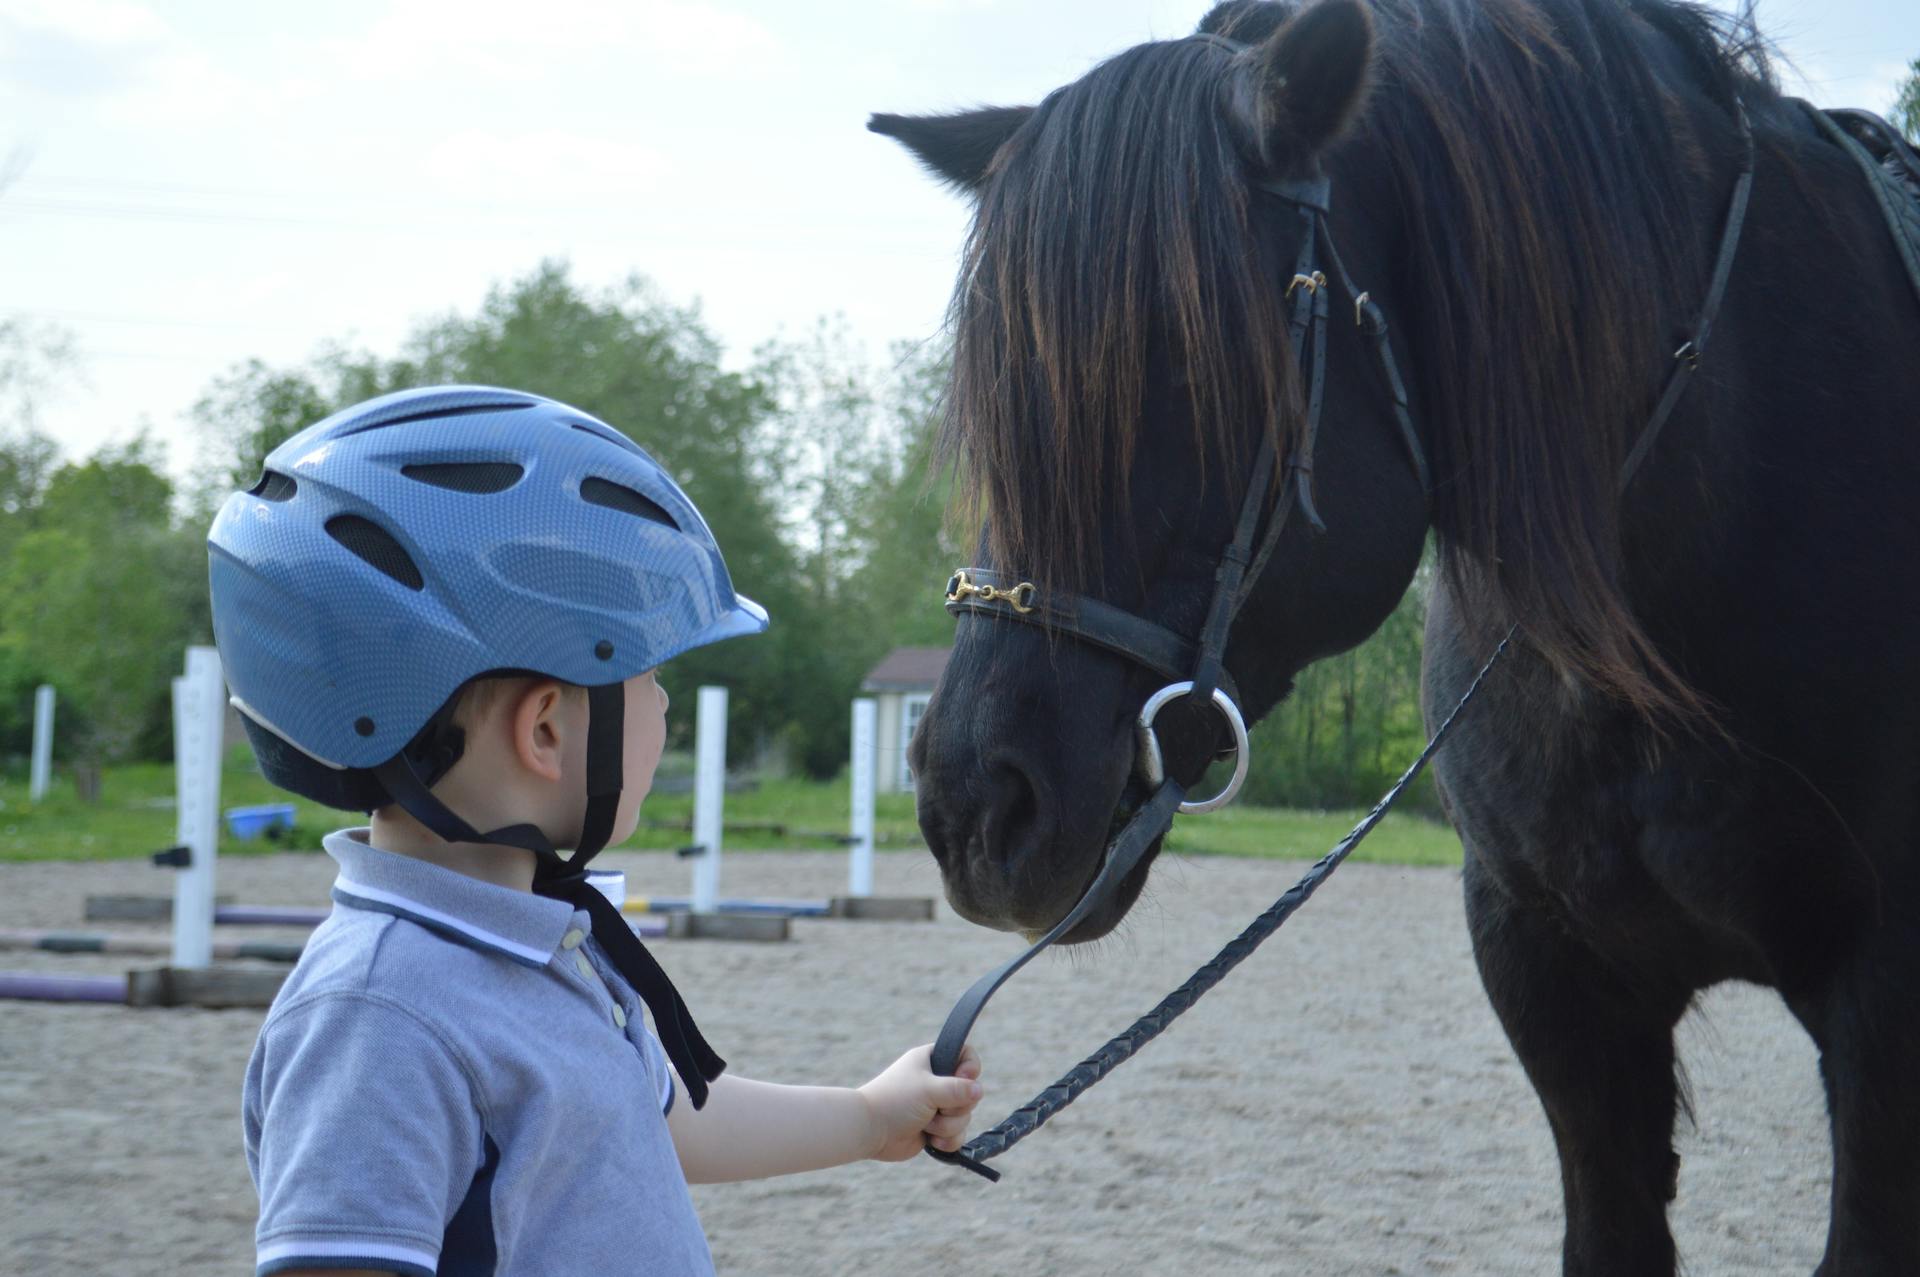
446 607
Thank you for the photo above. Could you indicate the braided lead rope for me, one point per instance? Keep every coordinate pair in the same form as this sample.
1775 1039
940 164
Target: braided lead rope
1029 1117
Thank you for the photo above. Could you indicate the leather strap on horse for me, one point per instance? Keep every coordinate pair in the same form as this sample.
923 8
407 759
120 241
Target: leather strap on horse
1686 358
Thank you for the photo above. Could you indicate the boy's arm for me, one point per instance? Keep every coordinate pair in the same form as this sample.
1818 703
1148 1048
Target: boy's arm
752 1130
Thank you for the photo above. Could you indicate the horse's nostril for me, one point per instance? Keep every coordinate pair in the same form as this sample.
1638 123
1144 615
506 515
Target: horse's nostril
1013 817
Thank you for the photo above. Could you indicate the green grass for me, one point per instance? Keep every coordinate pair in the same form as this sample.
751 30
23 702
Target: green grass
134 817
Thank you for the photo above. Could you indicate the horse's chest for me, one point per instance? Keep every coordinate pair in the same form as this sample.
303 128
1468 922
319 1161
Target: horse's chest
1651 864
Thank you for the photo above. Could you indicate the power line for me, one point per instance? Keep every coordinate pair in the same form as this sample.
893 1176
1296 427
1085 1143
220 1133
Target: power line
64 316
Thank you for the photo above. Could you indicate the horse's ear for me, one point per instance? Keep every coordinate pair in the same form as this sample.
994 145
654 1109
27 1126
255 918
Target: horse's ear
958 149
1309 78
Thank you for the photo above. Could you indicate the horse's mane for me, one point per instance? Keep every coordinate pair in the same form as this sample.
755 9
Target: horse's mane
1541 151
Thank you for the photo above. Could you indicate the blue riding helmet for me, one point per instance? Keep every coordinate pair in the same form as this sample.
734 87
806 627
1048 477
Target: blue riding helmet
404 546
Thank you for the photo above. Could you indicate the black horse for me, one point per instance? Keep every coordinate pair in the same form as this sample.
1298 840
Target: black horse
1699 762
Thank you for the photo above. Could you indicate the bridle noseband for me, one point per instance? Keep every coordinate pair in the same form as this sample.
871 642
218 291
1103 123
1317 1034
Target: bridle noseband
1195 666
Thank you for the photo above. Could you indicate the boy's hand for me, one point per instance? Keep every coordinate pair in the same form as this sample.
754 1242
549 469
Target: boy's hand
910 1104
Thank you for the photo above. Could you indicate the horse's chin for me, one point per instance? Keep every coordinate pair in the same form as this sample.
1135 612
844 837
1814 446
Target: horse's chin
1108 914
1032 920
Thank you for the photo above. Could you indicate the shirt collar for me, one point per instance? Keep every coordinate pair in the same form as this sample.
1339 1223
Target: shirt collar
514 924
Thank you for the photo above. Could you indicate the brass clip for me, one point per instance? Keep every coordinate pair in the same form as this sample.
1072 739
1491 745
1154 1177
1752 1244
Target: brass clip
960 588
1312 283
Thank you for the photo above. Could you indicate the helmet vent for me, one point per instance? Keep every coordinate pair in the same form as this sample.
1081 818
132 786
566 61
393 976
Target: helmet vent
467 476
274 486
431 414
614 496
613 437
376 545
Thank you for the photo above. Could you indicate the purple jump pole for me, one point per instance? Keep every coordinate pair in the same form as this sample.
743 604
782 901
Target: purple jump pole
268 916
63 988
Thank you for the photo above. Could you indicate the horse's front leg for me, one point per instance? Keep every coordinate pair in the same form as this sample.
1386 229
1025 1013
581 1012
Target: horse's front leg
1865 1017
1600 1054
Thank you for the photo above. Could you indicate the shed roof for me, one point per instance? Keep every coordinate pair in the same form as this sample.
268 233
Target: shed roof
907 669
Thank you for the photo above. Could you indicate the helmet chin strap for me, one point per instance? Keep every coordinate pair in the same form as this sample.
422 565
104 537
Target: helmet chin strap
565 878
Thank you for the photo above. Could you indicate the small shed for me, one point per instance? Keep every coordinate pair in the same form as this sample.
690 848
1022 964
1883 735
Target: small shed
900 686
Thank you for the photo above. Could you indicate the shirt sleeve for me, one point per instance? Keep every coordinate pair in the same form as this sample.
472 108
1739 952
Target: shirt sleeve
364 1136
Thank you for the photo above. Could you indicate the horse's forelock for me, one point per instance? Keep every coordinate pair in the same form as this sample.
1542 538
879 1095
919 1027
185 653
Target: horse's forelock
1115 233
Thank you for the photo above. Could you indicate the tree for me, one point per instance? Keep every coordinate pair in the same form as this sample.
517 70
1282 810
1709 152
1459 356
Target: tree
249 412
1906 104
102 594
910 546
34 358
1352 722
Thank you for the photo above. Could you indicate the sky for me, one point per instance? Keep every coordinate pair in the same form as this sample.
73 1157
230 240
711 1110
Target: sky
199 182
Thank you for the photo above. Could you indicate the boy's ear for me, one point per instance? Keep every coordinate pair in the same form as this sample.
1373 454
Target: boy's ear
539 720
958 149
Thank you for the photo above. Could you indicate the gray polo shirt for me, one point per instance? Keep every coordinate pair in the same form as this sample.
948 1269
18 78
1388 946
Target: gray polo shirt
454 1080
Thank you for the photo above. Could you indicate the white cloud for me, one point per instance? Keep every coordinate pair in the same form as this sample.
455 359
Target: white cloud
561 162
122 57
494 37
1882 85
110 22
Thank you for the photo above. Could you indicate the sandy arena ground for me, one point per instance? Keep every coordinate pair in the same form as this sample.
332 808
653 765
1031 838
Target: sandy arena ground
1343 1104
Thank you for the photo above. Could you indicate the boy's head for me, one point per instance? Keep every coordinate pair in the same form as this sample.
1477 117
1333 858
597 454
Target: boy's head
394 553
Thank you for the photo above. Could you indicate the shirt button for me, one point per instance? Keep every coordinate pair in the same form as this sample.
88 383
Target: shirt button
572 939
586 968
619 1016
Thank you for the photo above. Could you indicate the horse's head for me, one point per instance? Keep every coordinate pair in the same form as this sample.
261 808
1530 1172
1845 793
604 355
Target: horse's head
1122 350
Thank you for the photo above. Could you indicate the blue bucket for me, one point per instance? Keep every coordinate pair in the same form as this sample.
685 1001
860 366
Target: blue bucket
253 822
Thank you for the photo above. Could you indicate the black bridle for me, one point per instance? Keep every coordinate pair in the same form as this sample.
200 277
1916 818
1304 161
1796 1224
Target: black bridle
1153 645
1196 664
